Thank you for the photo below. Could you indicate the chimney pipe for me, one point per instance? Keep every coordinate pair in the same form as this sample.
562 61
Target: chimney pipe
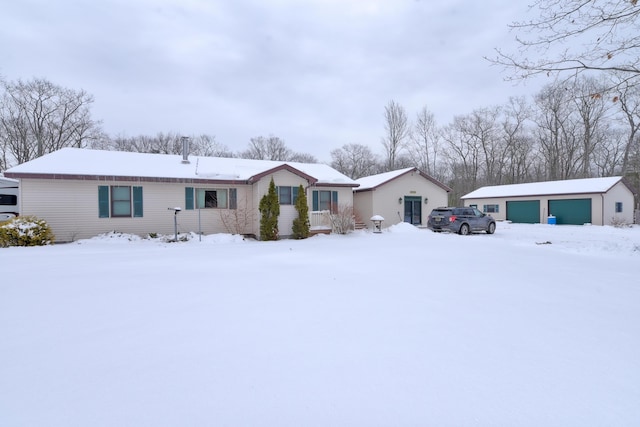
185 149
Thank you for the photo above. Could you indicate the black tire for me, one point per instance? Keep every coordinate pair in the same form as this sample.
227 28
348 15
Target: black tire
491 228
464 229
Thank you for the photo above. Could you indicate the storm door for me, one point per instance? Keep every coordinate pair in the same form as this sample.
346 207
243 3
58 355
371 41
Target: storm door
413 210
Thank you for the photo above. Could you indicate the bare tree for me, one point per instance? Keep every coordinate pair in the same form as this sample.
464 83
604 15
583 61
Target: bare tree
423 149
608 156
591 110
576 36
462 157
165 143
519 145
628 98
556 132
397 131
38 117
354 160
302 158
271 148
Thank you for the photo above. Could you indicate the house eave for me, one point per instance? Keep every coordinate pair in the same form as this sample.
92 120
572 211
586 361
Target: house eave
119 178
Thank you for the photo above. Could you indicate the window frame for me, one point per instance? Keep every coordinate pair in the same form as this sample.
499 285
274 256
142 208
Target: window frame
333 201
108 200
291 193
492 208
201 202
618 207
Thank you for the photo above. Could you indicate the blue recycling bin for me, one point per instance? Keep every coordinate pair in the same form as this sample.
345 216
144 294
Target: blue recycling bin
551 220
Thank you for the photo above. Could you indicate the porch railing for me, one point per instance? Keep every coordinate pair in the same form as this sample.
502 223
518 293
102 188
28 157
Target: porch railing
319 220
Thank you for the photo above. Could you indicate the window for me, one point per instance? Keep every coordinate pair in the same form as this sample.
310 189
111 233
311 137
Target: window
490 208
287 195
325 201
8 199
618 207
211 198
119 201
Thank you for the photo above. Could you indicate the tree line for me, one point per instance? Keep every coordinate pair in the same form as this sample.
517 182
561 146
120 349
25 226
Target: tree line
567 130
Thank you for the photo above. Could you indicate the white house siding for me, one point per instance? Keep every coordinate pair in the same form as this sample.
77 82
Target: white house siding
383 200
70 207
206 220
363 206
618 193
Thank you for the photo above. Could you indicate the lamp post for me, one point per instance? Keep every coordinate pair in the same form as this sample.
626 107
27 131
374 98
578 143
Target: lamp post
175 221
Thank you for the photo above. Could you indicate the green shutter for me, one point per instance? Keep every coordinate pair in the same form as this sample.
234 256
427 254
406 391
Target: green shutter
137 202
334 202
103 201
315 200
188 198
294 195
233 198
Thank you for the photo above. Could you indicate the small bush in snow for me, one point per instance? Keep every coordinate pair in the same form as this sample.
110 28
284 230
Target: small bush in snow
619 222
342 221
25 231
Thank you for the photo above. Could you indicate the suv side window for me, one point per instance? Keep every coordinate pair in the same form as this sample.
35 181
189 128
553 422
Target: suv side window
477 213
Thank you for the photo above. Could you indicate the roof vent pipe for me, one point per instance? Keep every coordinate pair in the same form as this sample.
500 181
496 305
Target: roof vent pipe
185 149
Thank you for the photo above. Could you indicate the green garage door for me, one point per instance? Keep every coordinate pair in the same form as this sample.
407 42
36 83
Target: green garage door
526 211
573 211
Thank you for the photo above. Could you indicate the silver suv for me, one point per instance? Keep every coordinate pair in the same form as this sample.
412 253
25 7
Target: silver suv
460 220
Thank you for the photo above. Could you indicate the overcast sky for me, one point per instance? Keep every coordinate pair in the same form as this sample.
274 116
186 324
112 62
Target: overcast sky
316 73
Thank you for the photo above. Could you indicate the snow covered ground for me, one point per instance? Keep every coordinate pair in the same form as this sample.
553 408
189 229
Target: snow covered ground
537 325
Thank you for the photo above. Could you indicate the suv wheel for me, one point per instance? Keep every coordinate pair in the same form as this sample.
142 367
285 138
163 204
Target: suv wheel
464 229
491 228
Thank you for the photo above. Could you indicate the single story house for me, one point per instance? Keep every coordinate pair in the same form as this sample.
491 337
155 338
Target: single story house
82 193
598 201
405 195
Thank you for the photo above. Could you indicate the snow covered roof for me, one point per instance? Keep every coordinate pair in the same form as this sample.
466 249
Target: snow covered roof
8 182
373 181
569 186
97 163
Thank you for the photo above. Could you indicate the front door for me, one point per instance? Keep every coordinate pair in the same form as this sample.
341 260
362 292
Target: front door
413 210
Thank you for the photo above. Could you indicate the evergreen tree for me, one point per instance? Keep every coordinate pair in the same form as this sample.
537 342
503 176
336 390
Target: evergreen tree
269 212
301 224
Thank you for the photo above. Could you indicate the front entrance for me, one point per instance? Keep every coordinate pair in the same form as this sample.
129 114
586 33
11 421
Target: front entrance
413 210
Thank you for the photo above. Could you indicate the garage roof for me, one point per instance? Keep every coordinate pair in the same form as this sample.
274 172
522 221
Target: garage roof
569 186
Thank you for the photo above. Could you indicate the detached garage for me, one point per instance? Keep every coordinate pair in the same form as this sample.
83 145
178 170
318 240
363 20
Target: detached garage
600 201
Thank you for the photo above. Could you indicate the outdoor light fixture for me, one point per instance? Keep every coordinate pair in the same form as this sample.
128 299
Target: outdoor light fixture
400 201
426 199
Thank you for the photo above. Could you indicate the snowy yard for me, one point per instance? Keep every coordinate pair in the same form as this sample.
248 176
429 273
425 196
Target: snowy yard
537 325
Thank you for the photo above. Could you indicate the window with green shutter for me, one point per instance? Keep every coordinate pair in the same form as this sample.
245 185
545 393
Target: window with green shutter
120 201
325 201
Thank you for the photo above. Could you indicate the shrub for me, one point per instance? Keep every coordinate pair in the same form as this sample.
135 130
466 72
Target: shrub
25 231
269 210
342 220
301 223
